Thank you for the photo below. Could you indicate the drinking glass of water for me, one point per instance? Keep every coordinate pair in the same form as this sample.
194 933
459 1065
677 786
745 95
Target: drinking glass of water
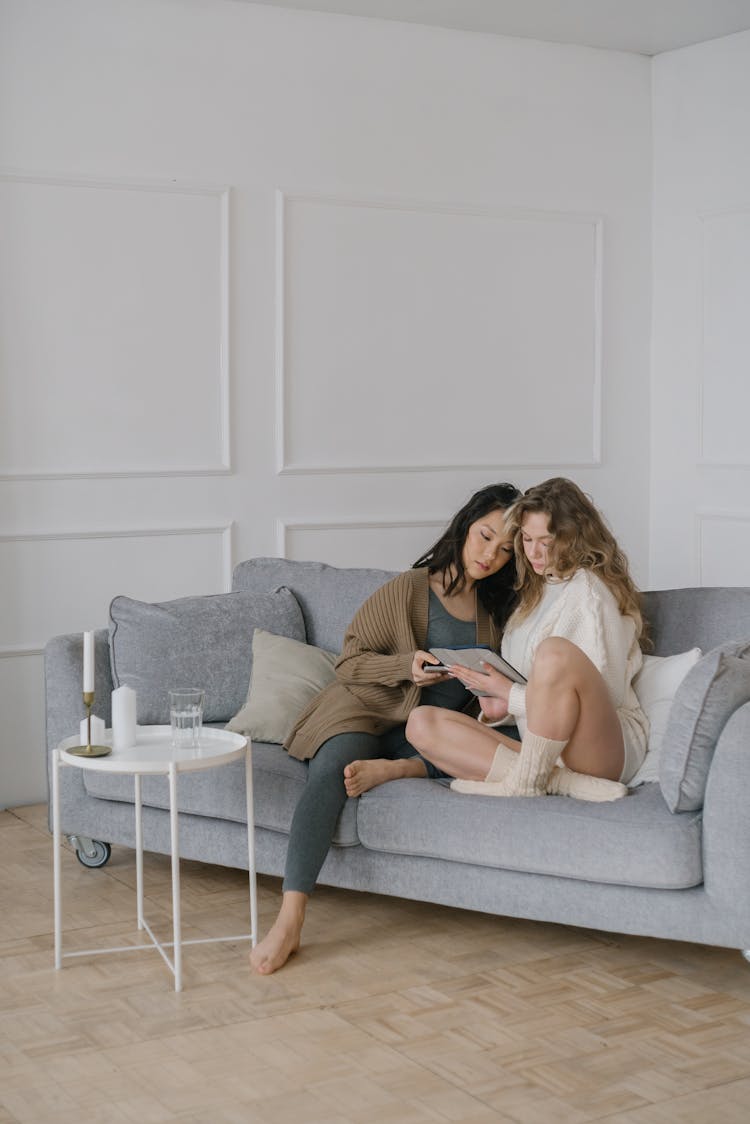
186 716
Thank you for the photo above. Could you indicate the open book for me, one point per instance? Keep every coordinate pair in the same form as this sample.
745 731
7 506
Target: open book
473 658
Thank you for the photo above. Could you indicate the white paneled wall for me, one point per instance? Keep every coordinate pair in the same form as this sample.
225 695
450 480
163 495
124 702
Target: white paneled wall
701 323
383 305
64 583
395 545
113 308
725 355
274 281
724 547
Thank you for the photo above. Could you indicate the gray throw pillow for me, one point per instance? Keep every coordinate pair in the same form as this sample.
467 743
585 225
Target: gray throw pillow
286 676
705 700
201 642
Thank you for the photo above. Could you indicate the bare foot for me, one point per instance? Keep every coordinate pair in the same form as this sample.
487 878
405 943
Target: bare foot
282 939
360 776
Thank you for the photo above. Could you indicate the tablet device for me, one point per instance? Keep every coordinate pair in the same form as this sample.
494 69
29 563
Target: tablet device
474 657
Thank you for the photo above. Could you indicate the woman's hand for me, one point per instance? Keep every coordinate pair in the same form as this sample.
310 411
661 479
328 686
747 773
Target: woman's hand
492 682
493 709
421 677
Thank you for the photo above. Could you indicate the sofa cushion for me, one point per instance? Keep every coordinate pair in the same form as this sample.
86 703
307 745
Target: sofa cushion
704 616
630 842
278 782
329 596
707 697
194 642
286 676
655 686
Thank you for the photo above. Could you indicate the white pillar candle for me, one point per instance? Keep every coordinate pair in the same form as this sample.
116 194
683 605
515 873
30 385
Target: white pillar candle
97 731
123 717
88 662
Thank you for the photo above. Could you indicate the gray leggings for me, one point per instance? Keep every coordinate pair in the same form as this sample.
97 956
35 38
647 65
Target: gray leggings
319 806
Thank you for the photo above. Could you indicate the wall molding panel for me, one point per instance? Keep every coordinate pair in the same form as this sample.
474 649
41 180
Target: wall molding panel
389 544
63 582
724 354
97 381
723 547
380 302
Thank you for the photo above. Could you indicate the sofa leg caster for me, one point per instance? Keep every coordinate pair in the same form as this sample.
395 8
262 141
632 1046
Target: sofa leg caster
90 852
746 954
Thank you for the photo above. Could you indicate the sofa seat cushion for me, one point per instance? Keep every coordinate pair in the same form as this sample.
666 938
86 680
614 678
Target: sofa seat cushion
278 781
635 841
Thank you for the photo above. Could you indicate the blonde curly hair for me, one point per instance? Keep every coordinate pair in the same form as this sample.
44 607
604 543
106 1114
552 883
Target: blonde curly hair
581 541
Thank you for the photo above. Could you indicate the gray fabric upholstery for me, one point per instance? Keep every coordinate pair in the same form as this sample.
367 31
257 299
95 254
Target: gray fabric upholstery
201 642
631 842
705 700
278 780
328 596
606 867
702 618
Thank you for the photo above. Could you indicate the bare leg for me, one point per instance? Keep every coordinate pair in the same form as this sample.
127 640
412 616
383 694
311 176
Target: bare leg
455 742
360 776
282 939
569 714
567 700
568 708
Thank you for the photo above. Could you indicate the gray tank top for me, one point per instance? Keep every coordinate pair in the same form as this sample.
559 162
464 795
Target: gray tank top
445 631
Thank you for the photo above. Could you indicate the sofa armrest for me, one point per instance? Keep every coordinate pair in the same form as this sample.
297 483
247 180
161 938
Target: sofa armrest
726 822
63 684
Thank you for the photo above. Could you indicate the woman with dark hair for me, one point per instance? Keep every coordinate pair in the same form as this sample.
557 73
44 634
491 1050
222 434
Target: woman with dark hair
459 593
576 636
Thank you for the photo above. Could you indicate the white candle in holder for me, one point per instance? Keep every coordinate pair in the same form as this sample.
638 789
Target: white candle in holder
88 662
123 717
97 730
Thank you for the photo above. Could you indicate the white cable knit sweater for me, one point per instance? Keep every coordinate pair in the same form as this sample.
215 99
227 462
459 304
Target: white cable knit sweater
585 612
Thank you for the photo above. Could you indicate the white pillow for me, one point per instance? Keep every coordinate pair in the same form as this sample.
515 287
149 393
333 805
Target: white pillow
655 686
286 676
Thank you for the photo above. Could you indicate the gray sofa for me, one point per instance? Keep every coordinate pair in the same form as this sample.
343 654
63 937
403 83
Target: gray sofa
632 866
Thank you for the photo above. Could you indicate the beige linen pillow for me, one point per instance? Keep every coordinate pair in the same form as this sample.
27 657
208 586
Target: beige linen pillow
286 676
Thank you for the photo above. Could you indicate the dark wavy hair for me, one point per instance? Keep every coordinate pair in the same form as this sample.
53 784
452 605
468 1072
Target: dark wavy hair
497 592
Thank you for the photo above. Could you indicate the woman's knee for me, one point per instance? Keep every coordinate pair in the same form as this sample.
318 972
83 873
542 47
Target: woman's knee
337 752
421 725
555 660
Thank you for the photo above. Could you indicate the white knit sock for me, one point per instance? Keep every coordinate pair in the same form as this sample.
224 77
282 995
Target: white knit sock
503 760
562 781
529 774
565 782
518 774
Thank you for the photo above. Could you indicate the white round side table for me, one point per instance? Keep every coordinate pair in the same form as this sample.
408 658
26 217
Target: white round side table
153 754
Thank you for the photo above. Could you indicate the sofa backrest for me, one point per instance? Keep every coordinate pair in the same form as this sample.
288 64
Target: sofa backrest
329 596
702 617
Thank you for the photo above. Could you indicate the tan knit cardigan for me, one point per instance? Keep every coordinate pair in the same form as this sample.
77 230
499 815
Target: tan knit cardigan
373 691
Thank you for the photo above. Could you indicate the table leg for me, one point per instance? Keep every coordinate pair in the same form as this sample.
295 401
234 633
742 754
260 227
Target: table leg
139 849
176 924
56 846
251 845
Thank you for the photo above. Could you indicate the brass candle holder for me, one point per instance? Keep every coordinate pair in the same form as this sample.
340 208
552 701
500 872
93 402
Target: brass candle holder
89 750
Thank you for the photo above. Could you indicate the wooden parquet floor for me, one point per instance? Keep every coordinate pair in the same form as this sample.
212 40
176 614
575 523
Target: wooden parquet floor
393 1012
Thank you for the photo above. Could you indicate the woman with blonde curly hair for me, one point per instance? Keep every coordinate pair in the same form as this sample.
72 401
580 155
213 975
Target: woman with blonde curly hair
575 635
